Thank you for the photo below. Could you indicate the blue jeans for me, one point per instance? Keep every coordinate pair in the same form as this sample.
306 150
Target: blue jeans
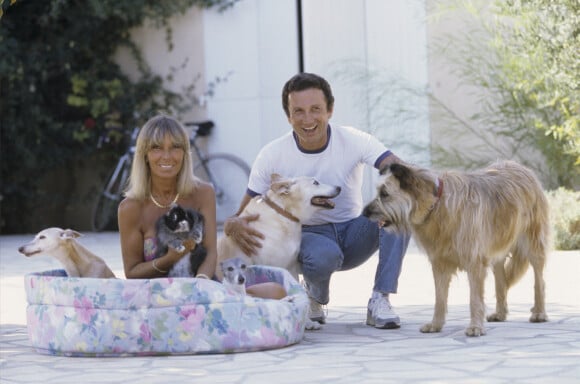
334 247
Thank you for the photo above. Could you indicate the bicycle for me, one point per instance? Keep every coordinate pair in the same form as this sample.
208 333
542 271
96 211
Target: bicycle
226 172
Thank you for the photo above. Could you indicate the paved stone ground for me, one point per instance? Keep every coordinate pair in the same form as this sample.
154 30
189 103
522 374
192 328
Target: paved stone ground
345 350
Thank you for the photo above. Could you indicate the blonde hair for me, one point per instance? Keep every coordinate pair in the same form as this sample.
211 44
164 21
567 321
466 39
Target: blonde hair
153 132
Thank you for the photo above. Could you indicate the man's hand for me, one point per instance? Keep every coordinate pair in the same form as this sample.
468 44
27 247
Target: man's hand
247 238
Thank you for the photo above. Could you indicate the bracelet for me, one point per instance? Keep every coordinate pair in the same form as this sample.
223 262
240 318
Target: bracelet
202 276
153 263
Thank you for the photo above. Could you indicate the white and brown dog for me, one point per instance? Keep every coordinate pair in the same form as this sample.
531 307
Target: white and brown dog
283 208
77 260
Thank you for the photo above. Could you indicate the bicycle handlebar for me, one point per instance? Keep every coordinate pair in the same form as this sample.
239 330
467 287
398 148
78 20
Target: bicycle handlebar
201 128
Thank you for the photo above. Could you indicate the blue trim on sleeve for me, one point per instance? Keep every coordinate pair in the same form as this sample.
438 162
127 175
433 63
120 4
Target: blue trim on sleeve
252 193
382 157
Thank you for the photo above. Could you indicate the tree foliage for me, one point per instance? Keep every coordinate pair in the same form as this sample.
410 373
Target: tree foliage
516 62
541 60
522 59
60 88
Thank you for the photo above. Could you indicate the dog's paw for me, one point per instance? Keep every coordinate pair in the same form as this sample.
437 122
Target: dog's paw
494 317
431 328
474 331
180 248
538 318
312 325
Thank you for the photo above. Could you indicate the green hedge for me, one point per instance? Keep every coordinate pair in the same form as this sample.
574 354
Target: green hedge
565 217
61 91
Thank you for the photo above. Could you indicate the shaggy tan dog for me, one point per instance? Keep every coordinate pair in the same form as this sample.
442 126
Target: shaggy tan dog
470 221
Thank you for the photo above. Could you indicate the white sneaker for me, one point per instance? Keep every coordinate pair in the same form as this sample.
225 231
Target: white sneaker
380 313
317 312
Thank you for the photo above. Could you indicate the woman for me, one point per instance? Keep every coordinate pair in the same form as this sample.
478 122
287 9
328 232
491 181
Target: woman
162 175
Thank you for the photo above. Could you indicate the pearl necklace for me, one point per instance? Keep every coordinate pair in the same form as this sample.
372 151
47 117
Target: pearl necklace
164 206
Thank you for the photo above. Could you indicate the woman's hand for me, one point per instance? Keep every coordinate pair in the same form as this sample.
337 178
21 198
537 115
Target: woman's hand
247 238
175 255
189 245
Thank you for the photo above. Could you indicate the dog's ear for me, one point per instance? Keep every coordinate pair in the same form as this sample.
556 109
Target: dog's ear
281 187
403 173
274 177
69 234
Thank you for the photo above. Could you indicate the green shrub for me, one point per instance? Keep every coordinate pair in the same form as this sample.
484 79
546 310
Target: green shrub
61 91
565 217
521 60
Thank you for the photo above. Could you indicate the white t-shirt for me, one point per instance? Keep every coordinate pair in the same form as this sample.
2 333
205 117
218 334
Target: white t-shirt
339 163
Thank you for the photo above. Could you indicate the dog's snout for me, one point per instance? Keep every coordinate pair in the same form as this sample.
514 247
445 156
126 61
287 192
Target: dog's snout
241 279
25 250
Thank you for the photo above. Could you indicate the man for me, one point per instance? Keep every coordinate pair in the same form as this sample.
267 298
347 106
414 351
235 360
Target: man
341 238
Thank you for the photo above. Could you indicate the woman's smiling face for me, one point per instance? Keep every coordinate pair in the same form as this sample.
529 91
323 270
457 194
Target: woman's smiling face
309 116
166 158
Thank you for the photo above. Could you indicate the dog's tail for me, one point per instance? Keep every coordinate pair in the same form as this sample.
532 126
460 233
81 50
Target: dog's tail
515 267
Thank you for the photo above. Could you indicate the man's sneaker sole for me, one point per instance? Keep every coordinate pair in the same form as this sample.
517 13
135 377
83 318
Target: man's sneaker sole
321 320
387 325
318 314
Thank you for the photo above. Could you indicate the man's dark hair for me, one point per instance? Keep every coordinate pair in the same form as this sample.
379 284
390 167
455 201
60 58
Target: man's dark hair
303 81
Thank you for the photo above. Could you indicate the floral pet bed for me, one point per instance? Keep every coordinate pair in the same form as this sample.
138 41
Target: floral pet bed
122 317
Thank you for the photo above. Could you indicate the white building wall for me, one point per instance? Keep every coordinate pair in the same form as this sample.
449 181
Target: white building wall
255 45
185 62
387 36
256 42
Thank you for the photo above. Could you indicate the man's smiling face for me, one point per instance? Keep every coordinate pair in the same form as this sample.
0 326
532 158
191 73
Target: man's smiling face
309 117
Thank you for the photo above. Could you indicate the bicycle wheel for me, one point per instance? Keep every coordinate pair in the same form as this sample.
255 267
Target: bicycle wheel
229 175
105 208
